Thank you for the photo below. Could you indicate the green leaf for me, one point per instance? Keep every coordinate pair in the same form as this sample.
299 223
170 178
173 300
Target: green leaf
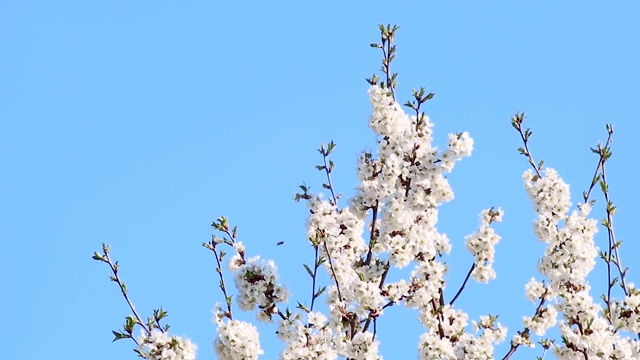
308 270
603 186
140 353
332 145
321 261
118 336
130 322
302 307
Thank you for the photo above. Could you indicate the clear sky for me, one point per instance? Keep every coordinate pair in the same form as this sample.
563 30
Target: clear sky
137 123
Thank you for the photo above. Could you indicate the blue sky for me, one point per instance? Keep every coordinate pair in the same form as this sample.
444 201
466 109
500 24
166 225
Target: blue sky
138 123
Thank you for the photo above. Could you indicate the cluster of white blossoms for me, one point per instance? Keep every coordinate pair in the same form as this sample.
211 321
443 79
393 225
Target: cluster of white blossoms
403 186
160 346
482 246
391 223
237 340
627 313
568 259
257 286
313 341
258 289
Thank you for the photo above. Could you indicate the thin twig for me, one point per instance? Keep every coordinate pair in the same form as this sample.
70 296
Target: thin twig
464 283
525 331
315 273
222 284
123 290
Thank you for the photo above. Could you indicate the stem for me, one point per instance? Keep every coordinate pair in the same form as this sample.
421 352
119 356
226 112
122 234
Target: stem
375 328
222 284
387 67
123 290
526 330
516 122
464 283
611 234
382 280
372 233
333 272
327 170
315 272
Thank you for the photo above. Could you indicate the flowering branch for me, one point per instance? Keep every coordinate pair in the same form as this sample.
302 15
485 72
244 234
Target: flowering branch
154 343
114 266
260 278
402 185
523 337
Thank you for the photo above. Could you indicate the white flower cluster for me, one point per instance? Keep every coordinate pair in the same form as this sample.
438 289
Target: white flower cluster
569 258
237 340
403 185
391 222
315 341
626 314
482 246
160 346
258 286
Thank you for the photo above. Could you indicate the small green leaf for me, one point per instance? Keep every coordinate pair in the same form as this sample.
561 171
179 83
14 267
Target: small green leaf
302 307
321 261
118 336
332 146
308 270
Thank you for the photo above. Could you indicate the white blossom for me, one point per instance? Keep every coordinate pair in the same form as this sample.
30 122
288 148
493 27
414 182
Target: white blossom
237 340
160 346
